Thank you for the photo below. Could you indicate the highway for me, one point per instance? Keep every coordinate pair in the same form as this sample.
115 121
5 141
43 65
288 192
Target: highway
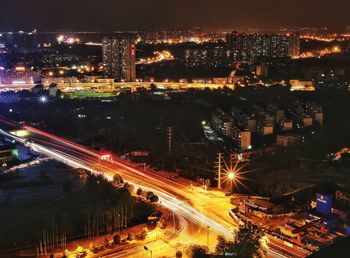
159 56
208 212
172 195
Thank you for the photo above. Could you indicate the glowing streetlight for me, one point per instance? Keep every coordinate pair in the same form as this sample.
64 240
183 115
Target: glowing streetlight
43 99
231 175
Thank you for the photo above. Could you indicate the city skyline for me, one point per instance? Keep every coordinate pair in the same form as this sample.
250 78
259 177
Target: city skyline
154 14
185 129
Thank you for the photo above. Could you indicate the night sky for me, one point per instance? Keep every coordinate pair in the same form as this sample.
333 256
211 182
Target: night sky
156 14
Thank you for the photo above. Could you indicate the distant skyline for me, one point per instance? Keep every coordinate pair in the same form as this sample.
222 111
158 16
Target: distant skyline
106 15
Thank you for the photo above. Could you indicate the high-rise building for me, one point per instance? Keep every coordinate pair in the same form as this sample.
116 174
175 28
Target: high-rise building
294 43
119 57
206 55
249 47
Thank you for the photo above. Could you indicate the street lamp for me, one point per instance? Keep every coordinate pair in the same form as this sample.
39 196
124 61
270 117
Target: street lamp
43 99
231 175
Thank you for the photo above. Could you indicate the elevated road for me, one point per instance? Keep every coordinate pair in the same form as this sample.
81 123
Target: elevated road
206 211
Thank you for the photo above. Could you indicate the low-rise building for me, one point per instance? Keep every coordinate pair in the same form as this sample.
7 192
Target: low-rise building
298 85
286 125
318 117
288 140
302 120
241 138
265 128
19 75
222 124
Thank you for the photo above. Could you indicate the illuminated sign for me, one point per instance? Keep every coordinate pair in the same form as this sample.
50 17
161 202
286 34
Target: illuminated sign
324 203
15 152
20 69
18 82
105 157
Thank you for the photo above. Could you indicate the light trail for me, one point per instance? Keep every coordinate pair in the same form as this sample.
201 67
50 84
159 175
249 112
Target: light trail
172 195
73 145
167 200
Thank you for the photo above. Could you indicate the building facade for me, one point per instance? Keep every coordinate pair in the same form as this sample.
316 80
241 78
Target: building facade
119 57
250 47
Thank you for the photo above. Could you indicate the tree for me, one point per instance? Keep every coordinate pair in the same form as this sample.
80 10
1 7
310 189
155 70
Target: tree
118 179
130 237
149 195
223 246
197 251
153 87
130 187
92 247
154 198
139 192
105 243
247 243
144 233
117 239
178 254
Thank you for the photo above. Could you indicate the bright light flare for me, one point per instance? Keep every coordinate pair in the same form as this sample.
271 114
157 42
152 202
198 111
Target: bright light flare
43 99
231 175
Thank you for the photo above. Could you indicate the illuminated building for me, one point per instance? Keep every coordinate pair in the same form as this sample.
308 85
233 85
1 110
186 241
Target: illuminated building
294 44
196 57
2 55
286 125
302 120
119 57
250 47
21 41
297 85
318 117
19 75
205 55
241 138
265 128
223 124
262 70
288 140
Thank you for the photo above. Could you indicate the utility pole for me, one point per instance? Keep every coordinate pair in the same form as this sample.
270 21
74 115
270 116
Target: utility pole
208 237
231 159
219 163
170 139
174 221
148 250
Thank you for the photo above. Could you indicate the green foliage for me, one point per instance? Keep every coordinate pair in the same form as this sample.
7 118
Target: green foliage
97 208
197 251
247 243
178 254
139 191
117 239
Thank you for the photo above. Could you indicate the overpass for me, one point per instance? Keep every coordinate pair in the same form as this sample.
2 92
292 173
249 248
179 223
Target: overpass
133 86
74 86
209 212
